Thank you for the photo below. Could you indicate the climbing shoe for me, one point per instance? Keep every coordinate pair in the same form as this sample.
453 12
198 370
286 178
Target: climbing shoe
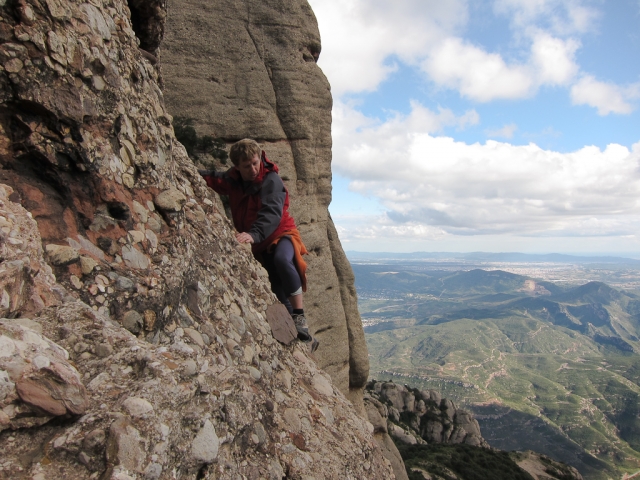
302 328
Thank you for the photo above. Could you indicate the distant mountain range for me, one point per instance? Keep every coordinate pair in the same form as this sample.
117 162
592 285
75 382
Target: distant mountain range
490 257
548 367
596 310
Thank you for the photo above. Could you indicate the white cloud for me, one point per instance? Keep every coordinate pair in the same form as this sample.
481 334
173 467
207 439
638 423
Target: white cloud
606 97
359 37
475 73
438 183
562 17
554 59
364 40
484 76
505 132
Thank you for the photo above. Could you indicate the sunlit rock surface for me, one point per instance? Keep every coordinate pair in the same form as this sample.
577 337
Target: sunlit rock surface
148 349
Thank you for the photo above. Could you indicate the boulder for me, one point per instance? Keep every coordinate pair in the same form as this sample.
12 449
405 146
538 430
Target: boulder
37 381
394 394
430 421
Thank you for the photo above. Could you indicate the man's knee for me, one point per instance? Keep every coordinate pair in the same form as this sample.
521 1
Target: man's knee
283 255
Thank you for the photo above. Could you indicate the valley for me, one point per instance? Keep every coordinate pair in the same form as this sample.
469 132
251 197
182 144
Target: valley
547 361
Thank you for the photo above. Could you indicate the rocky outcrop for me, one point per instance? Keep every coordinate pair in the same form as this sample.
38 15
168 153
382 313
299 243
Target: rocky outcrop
414 417
136 342
541 467
376 415
247 69
422 418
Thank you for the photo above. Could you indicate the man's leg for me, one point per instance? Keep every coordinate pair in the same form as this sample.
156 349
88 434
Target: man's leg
274 279
283 262
287 273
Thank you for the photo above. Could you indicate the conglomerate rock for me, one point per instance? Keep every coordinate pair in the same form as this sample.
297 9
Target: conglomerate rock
27 283
248 69
172 370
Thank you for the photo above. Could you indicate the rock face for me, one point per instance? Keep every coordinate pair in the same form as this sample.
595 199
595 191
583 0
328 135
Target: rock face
150 349
419 417
247 69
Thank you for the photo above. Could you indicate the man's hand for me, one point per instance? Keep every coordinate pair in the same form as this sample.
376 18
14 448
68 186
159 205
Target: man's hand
244 237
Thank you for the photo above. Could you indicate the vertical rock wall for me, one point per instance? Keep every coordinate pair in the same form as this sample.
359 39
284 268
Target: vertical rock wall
135 341
247 68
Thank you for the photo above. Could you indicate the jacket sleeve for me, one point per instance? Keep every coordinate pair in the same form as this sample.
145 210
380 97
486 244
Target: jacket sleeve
218 181
272 196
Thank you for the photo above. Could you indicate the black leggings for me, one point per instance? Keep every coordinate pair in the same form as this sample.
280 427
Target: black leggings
283 275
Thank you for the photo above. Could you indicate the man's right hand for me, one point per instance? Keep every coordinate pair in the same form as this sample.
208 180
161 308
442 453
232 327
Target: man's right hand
244 237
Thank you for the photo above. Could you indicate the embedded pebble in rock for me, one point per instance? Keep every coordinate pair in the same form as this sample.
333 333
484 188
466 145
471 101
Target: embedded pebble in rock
170 201
84 458
195 336
292 418
261 433
238 323
300 356
136 236
61 255
75 281
266 368
154 225
140 211
103 350
183 348
205 446
132 321
153 471
152 238
285 377
248 354
322 385
328 415
123 283
94 439
190 368
255 373
125 446
150 318
137 407
134 258
87 264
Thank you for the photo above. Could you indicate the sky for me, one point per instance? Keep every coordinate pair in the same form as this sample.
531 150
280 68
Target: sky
485 125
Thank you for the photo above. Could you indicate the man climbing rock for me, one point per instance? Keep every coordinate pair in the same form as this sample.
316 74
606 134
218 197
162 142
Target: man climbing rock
259 204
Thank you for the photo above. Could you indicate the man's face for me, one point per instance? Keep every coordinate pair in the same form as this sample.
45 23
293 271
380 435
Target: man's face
249 168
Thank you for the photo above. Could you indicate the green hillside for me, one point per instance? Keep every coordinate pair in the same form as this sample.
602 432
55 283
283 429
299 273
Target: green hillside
545 368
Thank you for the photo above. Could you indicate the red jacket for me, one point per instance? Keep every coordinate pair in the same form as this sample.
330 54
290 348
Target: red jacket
260 207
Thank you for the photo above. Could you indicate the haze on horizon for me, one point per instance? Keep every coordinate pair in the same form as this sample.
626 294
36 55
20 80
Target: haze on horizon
498 126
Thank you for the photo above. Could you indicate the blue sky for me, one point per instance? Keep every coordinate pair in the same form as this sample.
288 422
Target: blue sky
497 125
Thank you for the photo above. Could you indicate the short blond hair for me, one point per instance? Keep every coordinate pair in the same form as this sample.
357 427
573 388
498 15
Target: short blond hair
244 149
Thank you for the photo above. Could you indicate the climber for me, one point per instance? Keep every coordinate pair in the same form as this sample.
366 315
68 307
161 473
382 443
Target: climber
259 204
